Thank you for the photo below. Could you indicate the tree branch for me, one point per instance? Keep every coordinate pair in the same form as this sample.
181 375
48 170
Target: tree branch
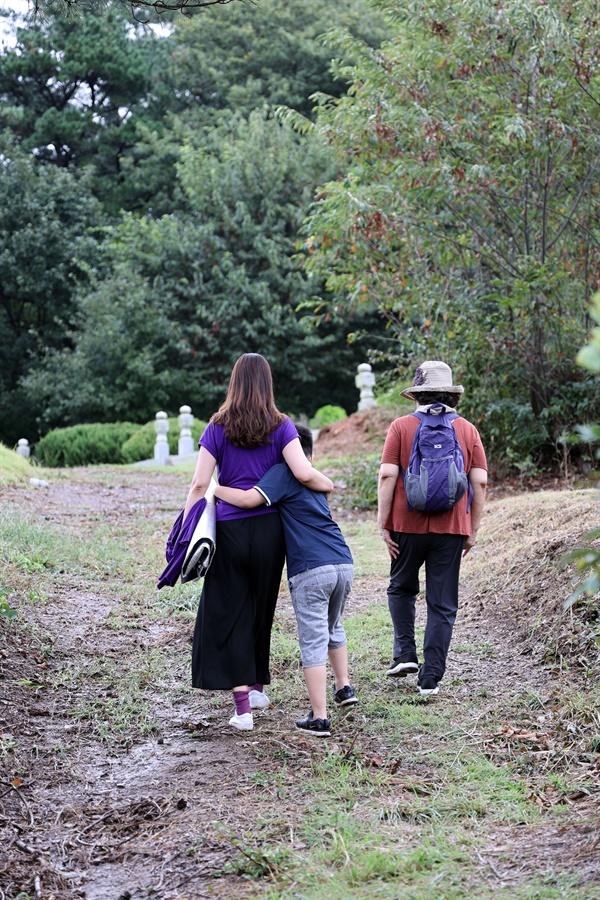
160 6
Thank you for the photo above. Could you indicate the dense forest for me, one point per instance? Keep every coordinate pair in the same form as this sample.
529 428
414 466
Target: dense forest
406 181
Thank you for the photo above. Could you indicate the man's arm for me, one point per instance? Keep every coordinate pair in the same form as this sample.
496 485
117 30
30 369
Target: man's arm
303 471
388 476
244 499
478 481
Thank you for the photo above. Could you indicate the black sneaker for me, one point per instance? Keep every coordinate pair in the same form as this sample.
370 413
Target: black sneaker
427 686
400 668
318 727
346 696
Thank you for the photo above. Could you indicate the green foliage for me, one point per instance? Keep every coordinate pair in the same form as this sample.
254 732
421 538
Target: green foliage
117 442
178 299
360 482
84 445
589 356
75 89
247 56
587 559
6 611
46 245
122 363
328 414
469 204
141 444
203 269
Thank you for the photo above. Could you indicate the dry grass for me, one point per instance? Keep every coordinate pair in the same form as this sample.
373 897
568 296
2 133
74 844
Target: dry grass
519 569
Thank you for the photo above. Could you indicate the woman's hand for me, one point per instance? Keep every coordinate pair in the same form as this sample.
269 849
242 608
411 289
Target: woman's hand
390 543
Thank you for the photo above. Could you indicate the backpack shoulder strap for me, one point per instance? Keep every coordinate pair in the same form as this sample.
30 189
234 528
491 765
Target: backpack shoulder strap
426 417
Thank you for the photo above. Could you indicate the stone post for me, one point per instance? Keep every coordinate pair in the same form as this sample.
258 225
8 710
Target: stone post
186 442
23 448
161 447
365 381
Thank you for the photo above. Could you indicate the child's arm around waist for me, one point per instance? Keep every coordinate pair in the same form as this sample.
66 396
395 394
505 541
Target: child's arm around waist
244 499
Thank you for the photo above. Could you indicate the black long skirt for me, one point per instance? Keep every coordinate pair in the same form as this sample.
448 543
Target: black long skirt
232 637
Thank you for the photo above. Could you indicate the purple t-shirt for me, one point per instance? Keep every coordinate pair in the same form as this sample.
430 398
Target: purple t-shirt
240 467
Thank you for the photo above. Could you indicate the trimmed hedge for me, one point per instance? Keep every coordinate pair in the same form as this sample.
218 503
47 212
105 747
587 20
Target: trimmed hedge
326 415
141 444
84 445
110 443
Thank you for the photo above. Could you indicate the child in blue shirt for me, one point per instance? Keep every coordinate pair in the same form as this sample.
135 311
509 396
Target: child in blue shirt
320 573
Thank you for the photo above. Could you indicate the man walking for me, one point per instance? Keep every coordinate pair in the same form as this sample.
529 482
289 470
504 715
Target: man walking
422 533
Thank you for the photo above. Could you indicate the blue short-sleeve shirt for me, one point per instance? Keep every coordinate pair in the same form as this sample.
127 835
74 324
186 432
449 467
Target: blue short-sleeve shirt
312 538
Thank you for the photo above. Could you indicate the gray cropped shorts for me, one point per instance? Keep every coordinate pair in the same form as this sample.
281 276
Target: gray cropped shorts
319 596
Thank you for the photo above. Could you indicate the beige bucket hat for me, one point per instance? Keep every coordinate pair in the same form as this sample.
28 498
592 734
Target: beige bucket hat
432 375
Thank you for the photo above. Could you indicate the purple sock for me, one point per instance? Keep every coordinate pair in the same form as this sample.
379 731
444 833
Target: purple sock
242 702
257 687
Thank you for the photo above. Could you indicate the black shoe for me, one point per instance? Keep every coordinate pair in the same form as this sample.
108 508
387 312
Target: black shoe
318 727
401 668
346 696
427 686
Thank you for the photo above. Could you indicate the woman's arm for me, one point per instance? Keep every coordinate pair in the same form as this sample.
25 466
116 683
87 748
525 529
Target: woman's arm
388 478
303 470
478 481
244 499
205 467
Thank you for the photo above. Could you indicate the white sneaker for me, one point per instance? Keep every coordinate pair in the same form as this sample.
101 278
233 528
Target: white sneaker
243 722
259 700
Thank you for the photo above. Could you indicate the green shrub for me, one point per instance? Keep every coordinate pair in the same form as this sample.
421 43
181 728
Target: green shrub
84 445
141 444
326 415
360 482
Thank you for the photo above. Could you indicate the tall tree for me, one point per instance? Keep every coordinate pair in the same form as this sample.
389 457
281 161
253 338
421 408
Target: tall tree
244 56
74 91
235 60
468 210
179 298
46 244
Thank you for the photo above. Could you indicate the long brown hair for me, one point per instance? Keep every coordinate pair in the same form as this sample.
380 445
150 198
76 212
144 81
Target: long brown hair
249 414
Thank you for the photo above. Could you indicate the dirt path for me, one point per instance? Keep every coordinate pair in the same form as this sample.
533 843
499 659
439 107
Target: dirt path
169 808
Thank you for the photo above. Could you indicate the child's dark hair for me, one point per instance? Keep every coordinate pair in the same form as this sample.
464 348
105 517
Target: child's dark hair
306 439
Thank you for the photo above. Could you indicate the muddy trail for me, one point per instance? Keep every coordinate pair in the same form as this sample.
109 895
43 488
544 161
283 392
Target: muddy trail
118 781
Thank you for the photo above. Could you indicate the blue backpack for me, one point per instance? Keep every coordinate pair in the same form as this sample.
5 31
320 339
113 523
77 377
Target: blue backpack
435 479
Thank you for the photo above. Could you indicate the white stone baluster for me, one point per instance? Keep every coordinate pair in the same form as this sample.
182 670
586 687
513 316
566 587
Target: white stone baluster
161 447
365 382
186 441
23 448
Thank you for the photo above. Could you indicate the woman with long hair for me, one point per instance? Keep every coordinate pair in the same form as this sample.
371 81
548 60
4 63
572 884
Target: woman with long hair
232 636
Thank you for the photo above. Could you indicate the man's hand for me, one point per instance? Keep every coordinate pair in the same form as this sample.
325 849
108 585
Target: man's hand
391 544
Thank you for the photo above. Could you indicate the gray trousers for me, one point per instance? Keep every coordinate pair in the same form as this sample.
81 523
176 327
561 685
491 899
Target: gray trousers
441 554
318 597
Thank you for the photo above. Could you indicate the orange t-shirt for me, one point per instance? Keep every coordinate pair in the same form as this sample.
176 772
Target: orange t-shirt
396 451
